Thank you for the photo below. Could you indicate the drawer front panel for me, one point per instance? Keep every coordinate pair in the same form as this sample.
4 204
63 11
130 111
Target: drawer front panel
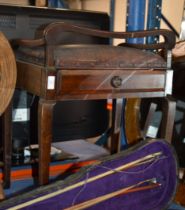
109 82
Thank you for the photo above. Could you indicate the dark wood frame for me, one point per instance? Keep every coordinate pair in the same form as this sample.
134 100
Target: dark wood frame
159 79
22 22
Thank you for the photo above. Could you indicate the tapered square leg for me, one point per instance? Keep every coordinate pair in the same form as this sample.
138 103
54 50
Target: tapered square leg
168 118
45 118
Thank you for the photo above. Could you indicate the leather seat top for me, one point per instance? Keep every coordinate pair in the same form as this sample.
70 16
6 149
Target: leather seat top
94 57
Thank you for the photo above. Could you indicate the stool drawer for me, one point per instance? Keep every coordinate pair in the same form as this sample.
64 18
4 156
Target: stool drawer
109 83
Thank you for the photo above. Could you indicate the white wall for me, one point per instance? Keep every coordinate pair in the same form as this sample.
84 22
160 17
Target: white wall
16 2
173 11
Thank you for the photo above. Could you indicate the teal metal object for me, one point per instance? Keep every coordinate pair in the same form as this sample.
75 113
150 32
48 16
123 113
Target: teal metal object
154 19
103 138
135 18
58 4
112 17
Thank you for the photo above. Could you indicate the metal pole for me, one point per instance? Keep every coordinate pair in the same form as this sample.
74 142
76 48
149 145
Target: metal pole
57 4
154 18
135 18
112 17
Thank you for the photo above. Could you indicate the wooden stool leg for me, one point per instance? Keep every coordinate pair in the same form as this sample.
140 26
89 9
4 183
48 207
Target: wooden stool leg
168 118
45 117
2 194
7 145
116 124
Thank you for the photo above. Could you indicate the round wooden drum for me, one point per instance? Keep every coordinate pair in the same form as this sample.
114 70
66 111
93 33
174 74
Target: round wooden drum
8 73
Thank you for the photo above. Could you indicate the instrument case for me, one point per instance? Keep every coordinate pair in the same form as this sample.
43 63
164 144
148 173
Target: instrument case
143 177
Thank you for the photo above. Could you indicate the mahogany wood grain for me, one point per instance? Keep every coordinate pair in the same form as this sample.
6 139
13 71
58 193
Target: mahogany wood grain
38 84
56 28
83 85
24 73
97 82
168 118
45 117
86 83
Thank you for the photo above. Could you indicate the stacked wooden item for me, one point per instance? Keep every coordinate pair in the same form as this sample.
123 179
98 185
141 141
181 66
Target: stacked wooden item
8 75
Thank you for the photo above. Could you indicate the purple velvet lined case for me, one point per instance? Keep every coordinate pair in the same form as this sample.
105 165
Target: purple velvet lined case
147 180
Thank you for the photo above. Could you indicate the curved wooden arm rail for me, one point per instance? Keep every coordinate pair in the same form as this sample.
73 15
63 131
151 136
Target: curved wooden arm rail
7 73
55 29
59 27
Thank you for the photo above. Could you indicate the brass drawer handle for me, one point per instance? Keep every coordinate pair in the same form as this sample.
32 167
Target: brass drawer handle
116 82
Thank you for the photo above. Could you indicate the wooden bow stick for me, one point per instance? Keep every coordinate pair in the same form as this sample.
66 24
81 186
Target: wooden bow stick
140 161
133 188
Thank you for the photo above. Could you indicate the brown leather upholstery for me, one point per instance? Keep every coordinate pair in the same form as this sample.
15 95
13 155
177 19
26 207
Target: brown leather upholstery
94 57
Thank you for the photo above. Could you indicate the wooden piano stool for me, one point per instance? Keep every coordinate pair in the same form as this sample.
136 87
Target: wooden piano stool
57 72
